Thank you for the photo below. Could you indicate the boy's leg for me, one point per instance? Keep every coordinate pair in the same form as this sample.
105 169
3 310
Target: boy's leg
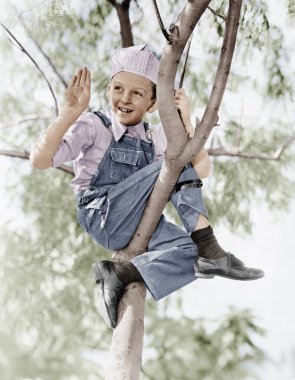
212 259
167 266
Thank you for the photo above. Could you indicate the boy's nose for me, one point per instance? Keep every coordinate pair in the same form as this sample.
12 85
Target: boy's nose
126 97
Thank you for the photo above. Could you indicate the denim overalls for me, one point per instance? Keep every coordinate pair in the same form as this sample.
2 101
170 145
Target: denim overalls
112 206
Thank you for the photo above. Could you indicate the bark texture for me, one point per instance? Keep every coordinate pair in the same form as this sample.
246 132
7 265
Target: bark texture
126 348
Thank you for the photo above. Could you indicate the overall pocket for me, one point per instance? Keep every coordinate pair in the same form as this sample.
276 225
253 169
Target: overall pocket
124 163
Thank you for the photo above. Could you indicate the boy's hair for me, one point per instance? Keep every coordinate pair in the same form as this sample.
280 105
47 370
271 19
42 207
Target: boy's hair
137 60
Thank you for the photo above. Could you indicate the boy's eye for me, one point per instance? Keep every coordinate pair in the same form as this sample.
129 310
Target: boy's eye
138 93
118 88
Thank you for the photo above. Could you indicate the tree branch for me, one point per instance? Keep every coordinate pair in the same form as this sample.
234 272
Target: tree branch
25 119
122 9
58 74
162 27
26 155
223 69
221 151
20 46
210 116
216 13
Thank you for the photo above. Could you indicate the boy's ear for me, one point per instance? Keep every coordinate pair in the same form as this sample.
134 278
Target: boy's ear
108 90
153 107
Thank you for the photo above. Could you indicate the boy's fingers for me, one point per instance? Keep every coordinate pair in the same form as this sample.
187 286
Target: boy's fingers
88 78
83 76
180 91
78 77
179 95
72 81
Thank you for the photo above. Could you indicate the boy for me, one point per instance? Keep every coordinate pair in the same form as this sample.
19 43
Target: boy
117 158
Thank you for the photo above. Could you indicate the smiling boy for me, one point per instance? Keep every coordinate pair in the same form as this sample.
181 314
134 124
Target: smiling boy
117 158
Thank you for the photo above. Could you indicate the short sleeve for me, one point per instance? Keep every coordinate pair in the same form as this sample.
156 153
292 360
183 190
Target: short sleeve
79 137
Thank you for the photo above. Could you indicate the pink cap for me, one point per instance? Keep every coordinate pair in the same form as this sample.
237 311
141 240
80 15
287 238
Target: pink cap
137 59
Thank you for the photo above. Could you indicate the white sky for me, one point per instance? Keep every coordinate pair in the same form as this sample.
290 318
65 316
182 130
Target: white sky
272 299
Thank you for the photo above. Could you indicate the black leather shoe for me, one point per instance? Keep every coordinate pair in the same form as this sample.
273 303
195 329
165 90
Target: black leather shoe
112 290
228 266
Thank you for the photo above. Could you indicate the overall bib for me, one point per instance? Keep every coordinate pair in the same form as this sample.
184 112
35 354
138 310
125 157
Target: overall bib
111 208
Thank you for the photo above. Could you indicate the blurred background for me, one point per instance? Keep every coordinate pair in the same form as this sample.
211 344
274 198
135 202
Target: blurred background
211 329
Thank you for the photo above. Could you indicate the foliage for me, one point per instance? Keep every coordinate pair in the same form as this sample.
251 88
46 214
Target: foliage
48 289
185 349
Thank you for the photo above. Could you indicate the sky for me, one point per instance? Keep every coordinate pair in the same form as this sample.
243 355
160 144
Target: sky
271 247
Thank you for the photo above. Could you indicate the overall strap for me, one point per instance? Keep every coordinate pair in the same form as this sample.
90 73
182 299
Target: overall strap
105 120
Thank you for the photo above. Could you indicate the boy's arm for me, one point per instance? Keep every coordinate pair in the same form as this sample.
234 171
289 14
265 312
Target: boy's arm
77 99
201 163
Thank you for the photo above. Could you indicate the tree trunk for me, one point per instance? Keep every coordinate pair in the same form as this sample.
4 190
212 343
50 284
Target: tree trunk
122 8
127 342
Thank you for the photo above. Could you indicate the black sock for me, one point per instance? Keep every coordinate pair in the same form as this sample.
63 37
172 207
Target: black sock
207 244
127 272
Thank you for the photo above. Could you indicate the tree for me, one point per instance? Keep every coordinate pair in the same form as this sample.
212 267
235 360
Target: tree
20 141
128 335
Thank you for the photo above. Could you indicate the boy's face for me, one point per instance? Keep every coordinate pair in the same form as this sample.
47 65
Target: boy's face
130 97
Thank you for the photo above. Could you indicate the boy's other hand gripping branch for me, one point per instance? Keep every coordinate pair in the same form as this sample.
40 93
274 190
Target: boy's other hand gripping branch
183 105
201 162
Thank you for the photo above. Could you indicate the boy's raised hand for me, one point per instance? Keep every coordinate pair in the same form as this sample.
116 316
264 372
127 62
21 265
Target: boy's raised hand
183 106
78 91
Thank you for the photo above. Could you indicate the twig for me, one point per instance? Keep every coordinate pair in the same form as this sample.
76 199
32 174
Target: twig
219 143
281 150
162 27
185 61
252 156
26 156
20 46
217 14
25 119
58 74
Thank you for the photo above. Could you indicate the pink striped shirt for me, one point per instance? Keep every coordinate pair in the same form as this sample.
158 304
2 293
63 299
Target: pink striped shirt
87 140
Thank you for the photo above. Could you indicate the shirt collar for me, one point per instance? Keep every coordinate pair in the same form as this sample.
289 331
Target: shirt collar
119 129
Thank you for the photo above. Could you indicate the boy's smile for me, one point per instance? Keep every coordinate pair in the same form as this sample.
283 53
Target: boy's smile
130 97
